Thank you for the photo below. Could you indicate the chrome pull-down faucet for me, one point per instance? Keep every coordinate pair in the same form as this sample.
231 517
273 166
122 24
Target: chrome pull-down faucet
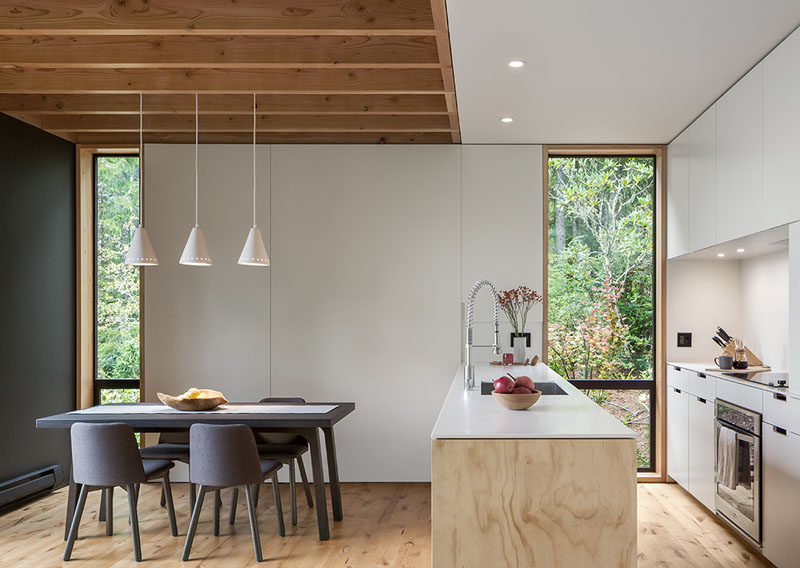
469 368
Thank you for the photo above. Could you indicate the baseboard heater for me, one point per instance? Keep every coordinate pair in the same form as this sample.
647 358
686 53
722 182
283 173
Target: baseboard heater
25 487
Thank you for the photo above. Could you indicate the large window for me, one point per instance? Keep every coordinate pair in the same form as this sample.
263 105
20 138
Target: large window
117 352
601 285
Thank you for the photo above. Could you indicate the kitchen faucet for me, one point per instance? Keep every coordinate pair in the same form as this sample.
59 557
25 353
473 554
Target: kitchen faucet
469 368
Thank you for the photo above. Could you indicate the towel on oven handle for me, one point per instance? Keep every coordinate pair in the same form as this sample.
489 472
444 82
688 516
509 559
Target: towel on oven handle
727 458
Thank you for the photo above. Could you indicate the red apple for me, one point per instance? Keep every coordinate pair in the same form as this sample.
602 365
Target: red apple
503 385
521 390
523 381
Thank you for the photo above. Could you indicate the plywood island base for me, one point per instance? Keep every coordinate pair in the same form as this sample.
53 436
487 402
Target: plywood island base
551 503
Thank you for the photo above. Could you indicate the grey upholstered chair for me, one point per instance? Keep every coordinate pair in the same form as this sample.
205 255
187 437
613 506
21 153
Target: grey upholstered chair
226 456
289 449
105 456
173 446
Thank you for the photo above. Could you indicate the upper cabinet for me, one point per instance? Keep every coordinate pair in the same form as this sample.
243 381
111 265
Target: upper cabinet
781 133
702 136
678 196
739 144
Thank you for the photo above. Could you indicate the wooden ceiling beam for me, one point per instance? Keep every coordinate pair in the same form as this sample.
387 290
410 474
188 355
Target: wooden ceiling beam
439 13
105 138
224 104
227 51
222 81
50 17
244 123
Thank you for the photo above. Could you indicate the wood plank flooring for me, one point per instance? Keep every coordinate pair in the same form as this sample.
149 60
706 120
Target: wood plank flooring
385 525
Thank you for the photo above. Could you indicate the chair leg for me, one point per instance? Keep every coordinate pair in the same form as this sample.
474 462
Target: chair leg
187 547
306 487
217 503
276 493
166 492
108 493
192 496
251 510
256 493
132 501
163 497
76 520
101 512
234 499
292 493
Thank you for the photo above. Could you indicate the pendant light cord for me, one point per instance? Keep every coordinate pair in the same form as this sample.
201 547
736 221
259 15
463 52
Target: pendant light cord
141 165
254 159
196 143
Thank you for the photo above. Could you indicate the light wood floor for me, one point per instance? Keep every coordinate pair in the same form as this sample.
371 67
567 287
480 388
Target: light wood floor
386 524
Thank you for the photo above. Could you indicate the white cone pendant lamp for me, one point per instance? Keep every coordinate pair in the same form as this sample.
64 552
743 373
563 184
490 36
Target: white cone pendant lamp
254 253
141 252
195 253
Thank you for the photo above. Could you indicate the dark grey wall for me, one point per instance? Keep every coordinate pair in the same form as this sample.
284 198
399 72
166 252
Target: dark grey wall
37 294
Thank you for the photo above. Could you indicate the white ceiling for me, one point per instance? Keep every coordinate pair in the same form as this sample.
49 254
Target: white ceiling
603 71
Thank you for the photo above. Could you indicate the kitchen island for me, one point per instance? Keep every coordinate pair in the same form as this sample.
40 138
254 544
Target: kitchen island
551 486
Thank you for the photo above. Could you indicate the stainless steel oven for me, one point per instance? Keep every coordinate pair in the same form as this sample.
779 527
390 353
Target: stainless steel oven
737 479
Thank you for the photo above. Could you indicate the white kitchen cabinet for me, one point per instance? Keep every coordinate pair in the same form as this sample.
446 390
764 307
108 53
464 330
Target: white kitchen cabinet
678 196
781 127
780 495
701 449
678 436
738 149
702 135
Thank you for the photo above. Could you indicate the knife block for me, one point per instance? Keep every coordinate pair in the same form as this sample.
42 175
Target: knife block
752 360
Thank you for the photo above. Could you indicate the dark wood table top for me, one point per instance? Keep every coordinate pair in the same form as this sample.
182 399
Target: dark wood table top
181 421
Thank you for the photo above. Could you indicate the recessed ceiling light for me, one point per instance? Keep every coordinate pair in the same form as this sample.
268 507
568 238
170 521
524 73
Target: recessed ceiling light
516 64
739 250
506 119
720 254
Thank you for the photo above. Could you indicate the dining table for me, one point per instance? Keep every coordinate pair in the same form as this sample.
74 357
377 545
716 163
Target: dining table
303 419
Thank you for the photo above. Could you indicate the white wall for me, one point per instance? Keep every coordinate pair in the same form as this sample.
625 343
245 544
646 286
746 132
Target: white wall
748 298
765 307
373 249
701 295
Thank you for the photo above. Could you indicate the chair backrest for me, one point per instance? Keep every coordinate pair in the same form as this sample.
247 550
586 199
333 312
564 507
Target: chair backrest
223 455
296 399
279 437
105 455
173 438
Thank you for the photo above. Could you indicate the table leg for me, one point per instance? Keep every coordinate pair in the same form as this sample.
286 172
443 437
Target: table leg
312 436
333 474
72 499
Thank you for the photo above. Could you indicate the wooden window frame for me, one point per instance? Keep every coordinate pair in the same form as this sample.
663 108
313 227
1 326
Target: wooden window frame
659 152
85 275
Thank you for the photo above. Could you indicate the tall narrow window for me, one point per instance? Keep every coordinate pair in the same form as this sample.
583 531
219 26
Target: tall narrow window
601 285
117 350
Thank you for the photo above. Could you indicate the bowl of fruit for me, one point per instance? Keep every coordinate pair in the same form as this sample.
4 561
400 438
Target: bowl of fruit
515 393
194 399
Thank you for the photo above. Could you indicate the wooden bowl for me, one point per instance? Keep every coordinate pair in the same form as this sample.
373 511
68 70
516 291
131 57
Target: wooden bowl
180 403
516 401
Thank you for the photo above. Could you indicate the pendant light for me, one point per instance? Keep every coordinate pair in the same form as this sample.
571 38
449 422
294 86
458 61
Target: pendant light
195 253
254 253
141 252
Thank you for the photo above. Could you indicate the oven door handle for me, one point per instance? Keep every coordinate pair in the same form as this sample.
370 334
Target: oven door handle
743 434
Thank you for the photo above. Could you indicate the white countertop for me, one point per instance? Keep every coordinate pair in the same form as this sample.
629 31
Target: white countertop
701 368
469 414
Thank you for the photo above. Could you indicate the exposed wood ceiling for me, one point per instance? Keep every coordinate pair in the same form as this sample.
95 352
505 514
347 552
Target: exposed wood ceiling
327 71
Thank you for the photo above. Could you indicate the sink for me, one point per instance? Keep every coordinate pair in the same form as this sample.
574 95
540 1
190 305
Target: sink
547 387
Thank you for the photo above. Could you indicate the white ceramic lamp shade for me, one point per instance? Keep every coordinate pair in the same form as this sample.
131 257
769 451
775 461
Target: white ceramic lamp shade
254 253
141 252
195 253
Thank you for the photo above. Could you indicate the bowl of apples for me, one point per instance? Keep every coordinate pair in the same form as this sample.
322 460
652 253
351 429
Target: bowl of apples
194 399
515 393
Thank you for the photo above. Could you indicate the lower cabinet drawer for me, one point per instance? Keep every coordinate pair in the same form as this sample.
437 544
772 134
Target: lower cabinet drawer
702 385
778 409
740 395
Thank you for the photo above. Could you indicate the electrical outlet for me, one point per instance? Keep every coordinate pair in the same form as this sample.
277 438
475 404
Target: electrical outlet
684 339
